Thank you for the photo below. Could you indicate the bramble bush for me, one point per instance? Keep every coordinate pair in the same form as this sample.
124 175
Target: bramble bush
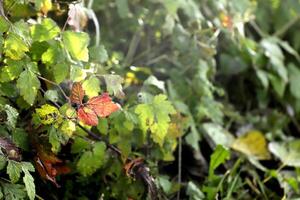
149 99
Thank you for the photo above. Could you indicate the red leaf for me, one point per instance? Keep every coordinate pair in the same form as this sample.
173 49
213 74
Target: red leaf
87 116
102 105
77 93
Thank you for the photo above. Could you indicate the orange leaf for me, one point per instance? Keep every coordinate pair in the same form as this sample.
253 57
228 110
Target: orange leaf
102 105
87 116
77 93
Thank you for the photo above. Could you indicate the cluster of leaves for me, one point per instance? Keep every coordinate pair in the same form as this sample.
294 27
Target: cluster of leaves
229 70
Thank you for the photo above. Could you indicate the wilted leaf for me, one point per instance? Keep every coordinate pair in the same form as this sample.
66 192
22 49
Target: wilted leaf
253 143
77 17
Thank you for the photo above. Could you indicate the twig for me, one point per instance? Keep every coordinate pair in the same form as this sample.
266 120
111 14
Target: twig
286 27
53 83
258 29
132 47
277 171
179 165
98 137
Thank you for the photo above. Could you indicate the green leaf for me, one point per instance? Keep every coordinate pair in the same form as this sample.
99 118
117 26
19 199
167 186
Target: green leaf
294 79
278 84
15 47
77 74
54 54
263 77
155 117
28 179
20 138
56 138
12 116
28 84
98 54
14 170
194 192
103 126
51 95
92 160
123 8
60 72
219 156
288 152
76 43
79 145
4 24
91 86
11 70
48 114
114 84
218 134
13 191
68 127
47 30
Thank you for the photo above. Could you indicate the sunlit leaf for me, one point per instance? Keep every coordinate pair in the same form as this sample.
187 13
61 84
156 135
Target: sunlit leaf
45 31
253 143
288 152
76 43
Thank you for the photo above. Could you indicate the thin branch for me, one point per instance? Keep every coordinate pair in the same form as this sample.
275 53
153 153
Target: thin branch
179 164
98 138
286 27
57 85
133 47
258 29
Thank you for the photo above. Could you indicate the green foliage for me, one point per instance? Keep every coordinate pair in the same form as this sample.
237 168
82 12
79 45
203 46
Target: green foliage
219 156
76 43
30 89
154 116
92 159
190 76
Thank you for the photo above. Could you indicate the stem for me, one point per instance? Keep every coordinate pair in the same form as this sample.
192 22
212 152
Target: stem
278 170
179 164
53 83
286 27
132 47
98 138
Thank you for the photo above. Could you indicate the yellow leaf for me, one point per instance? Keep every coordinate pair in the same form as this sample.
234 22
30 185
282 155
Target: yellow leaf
253 143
